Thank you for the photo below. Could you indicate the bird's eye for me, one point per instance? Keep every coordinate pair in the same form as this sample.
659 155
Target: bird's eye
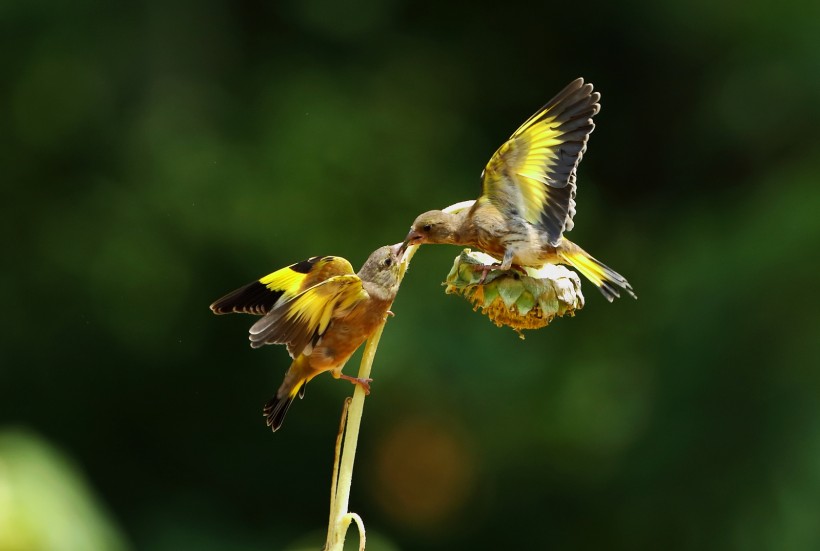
427 227
388 261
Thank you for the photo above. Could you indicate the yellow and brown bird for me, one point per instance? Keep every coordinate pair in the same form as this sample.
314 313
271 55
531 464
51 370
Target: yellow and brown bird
322 311
528 196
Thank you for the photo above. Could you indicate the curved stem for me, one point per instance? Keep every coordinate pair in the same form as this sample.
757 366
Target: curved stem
340 517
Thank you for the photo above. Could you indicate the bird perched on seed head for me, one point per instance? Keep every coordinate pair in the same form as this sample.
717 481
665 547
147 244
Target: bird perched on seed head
322 311
528 196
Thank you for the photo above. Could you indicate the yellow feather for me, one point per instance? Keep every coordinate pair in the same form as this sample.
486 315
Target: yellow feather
285 279
541 154
311 311
532 122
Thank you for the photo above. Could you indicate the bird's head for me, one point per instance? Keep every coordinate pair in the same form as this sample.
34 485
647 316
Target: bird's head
383 267
433 226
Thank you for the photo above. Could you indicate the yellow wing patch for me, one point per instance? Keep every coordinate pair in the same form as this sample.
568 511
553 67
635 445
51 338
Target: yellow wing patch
302 320
260 296
302 275
532 175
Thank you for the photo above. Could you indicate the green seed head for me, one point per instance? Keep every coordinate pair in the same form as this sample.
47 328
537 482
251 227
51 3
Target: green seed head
512 298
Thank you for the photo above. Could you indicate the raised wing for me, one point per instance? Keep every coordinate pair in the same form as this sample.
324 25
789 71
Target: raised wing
533 173
260 296
301 321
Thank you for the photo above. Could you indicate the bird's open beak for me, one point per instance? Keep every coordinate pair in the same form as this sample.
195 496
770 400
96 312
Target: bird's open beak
398 250
412 238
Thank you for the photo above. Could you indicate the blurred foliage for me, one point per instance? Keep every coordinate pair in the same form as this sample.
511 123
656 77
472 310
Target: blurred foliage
158 154
44 502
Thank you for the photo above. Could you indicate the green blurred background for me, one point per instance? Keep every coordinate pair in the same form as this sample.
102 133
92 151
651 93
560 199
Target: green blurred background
159 154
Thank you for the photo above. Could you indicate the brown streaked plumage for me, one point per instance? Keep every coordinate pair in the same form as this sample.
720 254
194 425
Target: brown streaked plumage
528 195
321 311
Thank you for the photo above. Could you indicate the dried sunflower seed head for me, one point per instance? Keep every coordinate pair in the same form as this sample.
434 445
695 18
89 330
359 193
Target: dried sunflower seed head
512 298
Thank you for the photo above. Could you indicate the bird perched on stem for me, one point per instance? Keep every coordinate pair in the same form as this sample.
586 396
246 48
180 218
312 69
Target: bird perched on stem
528 196
322 311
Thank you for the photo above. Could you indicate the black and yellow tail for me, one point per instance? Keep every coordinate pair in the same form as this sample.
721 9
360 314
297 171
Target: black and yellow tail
608 281
293 386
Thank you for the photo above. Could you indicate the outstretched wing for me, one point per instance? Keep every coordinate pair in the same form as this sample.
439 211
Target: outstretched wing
301 321
260 296
532 175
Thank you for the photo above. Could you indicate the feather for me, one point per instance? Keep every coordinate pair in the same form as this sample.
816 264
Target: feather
527 173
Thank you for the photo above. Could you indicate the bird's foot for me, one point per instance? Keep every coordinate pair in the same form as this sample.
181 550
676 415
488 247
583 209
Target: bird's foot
391 314
486 268
364 383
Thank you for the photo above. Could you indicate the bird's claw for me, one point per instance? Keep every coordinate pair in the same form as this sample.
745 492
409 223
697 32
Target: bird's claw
364 383
486 268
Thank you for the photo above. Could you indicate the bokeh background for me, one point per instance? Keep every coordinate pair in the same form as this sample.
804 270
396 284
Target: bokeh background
159 154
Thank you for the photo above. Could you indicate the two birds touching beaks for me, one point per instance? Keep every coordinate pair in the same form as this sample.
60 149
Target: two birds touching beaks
323 311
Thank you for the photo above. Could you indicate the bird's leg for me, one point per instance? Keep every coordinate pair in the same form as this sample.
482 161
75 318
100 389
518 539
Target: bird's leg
505 265
364 383
485 269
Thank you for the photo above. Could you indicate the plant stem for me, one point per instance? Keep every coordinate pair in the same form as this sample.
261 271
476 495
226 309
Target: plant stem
340 517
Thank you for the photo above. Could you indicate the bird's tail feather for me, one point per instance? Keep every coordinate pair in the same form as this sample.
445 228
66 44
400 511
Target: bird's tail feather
294 385
608 281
